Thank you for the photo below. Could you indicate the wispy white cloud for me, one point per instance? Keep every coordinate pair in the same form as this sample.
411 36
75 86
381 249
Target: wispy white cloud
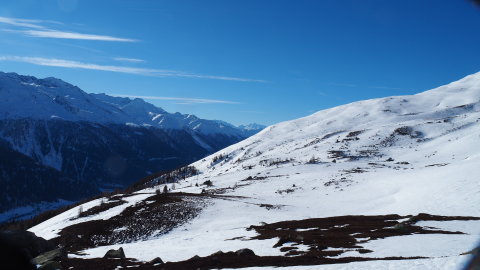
181 100
131 60
53 62
22 22
35 28
72 35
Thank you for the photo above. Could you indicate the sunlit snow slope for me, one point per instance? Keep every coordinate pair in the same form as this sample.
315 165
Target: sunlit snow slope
397 155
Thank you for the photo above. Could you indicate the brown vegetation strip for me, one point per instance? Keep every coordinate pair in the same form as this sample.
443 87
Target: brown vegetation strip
153 216
344 233
104 206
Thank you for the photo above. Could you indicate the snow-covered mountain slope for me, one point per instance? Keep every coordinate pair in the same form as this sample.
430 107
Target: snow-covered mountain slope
277 191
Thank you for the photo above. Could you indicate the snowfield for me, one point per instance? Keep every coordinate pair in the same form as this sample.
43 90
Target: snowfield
424 264
397 155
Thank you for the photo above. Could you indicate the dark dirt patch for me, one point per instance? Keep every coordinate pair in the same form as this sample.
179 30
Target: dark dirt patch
401 131
354 133
345 232
352 136
153 216
270 206
331 135
100 208
288 190
337 154
215 261
338 183
318 140
437 165
255 178
275 162
354 170
366 153
361 154
259 177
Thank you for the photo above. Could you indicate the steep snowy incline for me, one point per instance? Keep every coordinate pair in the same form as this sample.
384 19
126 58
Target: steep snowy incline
383 160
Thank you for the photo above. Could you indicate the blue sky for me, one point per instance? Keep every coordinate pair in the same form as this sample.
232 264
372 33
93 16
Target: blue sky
243 61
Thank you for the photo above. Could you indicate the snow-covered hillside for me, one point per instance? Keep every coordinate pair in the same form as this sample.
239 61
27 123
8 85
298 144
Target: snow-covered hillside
398 155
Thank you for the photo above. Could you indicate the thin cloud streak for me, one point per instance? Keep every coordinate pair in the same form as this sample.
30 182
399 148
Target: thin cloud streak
22 22
53 62
34 28
183 100
72 35
131 60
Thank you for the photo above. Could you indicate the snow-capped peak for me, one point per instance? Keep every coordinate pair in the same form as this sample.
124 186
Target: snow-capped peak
29 97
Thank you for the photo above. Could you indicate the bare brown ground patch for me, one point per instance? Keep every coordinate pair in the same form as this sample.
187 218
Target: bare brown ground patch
343 233
151 217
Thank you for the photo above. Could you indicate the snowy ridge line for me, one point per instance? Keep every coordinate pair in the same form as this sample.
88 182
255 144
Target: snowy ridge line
51 98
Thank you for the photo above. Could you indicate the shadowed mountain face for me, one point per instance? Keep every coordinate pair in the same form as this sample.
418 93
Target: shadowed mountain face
24 180
59 142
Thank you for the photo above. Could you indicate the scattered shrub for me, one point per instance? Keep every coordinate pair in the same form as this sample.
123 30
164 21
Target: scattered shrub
313 160
208 183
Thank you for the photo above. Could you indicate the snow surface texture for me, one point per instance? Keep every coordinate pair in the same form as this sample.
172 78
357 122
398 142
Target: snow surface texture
398 155
424 264
52 98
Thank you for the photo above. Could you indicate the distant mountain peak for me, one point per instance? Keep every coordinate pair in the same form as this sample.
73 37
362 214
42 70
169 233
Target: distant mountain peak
252 126
30 97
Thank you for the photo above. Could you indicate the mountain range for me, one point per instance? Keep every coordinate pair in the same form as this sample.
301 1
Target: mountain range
389 183
60 144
